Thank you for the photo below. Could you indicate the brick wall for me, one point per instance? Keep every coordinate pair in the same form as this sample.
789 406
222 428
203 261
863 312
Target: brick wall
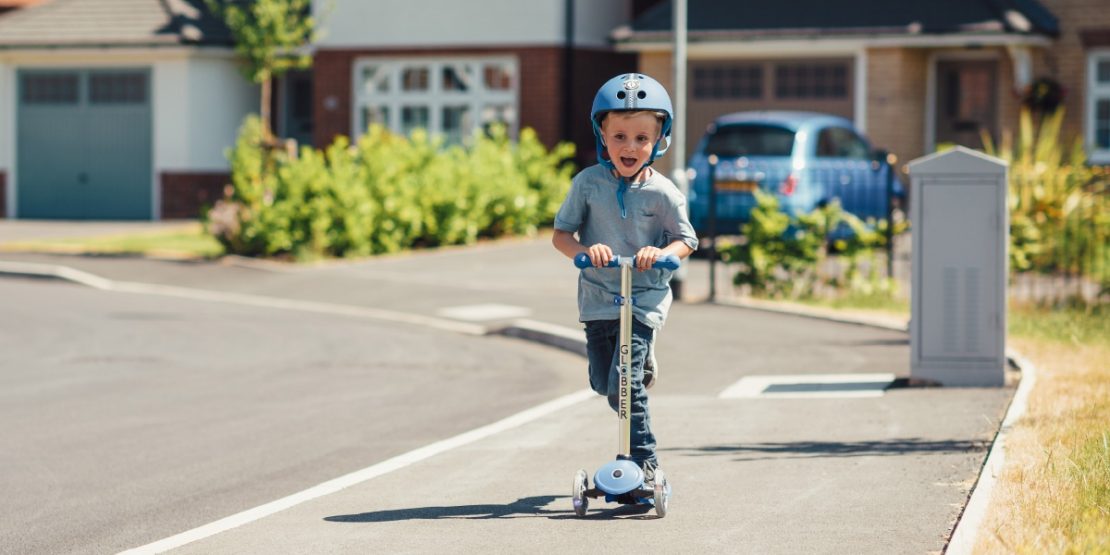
896 100
185 193
658 66
591 70
1084 25
541 88
1009 97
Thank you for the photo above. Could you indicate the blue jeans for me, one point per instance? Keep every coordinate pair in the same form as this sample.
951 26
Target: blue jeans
602 349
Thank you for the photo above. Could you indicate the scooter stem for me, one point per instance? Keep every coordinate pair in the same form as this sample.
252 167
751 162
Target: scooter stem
624 402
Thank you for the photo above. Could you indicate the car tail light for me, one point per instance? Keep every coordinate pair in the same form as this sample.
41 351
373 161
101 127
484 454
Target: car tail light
789 184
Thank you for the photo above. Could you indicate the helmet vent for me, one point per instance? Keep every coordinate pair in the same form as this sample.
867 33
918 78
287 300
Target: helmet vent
621 95
641 95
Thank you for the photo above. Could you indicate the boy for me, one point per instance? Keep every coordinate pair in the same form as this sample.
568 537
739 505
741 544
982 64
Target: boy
621 206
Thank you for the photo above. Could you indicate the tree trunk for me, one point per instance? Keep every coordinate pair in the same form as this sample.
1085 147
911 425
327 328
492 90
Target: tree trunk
264 109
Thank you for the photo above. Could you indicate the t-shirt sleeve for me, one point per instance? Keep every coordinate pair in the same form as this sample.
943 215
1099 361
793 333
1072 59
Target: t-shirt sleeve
677 227
573 211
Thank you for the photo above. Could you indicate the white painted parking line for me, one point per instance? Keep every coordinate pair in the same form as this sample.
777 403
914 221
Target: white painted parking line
809 386
360 476
484 312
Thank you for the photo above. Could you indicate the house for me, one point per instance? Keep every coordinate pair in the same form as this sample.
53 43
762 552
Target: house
115 109
912 75
452 67
168 97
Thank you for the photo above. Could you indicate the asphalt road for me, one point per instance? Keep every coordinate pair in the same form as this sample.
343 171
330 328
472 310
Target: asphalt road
134 417
129 418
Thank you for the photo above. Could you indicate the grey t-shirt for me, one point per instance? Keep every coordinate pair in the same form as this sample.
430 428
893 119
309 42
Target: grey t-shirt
655 214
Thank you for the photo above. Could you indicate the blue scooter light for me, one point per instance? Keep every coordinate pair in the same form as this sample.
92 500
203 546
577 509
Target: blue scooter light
619 476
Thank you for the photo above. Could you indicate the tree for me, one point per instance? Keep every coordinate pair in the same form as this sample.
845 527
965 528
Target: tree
270 35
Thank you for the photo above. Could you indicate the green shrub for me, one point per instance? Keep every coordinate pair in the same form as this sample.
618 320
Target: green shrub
1058 209
781 257
386 193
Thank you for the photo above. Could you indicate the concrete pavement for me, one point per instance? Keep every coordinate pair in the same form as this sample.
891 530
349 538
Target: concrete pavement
834 474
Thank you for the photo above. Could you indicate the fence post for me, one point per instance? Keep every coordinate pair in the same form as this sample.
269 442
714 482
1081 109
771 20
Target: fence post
712 227
891 159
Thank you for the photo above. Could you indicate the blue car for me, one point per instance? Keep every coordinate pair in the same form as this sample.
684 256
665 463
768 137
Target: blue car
806 159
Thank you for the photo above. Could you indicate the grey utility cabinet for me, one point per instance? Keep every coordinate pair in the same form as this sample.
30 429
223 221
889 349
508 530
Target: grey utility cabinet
960 244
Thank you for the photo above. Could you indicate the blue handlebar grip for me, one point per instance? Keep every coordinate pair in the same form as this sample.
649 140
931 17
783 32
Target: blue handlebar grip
665 262
582 261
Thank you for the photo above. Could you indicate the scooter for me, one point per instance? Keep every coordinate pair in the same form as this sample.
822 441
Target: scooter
623 476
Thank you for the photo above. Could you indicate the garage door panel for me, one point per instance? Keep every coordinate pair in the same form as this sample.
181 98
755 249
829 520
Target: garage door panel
84 144
51 146
118 149
723 86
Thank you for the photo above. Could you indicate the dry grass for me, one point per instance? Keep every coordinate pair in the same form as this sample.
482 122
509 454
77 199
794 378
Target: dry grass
1054 493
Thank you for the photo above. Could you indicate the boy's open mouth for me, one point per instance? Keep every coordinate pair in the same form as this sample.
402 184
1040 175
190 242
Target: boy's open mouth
628 162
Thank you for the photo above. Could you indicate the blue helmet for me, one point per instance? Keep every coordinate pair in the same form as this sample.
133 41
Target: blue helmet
629 92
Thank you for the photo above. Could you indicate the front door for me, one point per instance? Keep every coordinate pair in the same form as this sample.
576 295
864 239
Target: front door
967 100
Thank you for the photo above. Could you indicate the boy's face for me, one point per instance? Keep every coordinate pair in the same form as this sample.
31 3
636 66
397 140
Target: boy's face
629 140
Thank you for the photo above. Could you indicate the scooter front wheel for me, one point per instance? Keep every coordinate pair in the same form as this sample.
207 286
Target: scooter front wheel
578 493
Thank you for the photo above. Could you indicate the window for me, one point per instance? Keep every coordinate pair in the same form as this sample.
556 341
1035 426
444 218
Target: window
751 140
838 142
117 88
728 81
1098 106
447 97
51 88
811 81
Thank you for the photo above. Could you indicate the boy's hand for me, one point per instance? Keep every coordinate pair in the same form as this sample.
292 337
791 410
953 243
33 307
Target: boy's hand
647 256
600 255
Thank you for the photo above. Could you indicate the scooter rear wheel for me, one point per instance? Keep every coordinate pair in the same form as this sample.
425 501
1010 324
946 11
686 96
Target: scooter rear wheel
578 493
662 493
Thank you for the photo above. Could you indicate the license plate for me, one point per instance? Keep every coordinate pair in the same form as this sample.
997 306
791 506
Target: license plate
740 186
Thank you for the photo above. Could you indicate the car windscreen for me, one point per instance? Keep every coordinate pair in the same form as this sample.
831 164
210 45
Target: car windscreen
751 140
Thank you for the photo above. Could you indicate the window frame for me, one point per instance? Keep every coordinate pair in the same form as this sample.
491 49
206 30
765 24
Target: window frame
1095 92
844 133
435 98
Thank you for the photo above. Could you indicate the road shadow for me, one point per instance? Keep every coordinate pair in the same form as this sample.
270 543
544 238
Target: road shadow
525 507
820 449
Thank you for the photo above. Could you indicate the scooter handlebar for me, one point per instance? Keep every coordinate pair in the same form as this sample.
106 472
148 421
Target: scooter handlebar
665 262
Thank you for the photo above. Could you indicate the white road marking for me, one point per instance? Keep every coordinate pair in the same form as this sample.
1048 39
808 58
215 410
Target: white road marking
305 306
809 386
484 312
103 284
357 477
